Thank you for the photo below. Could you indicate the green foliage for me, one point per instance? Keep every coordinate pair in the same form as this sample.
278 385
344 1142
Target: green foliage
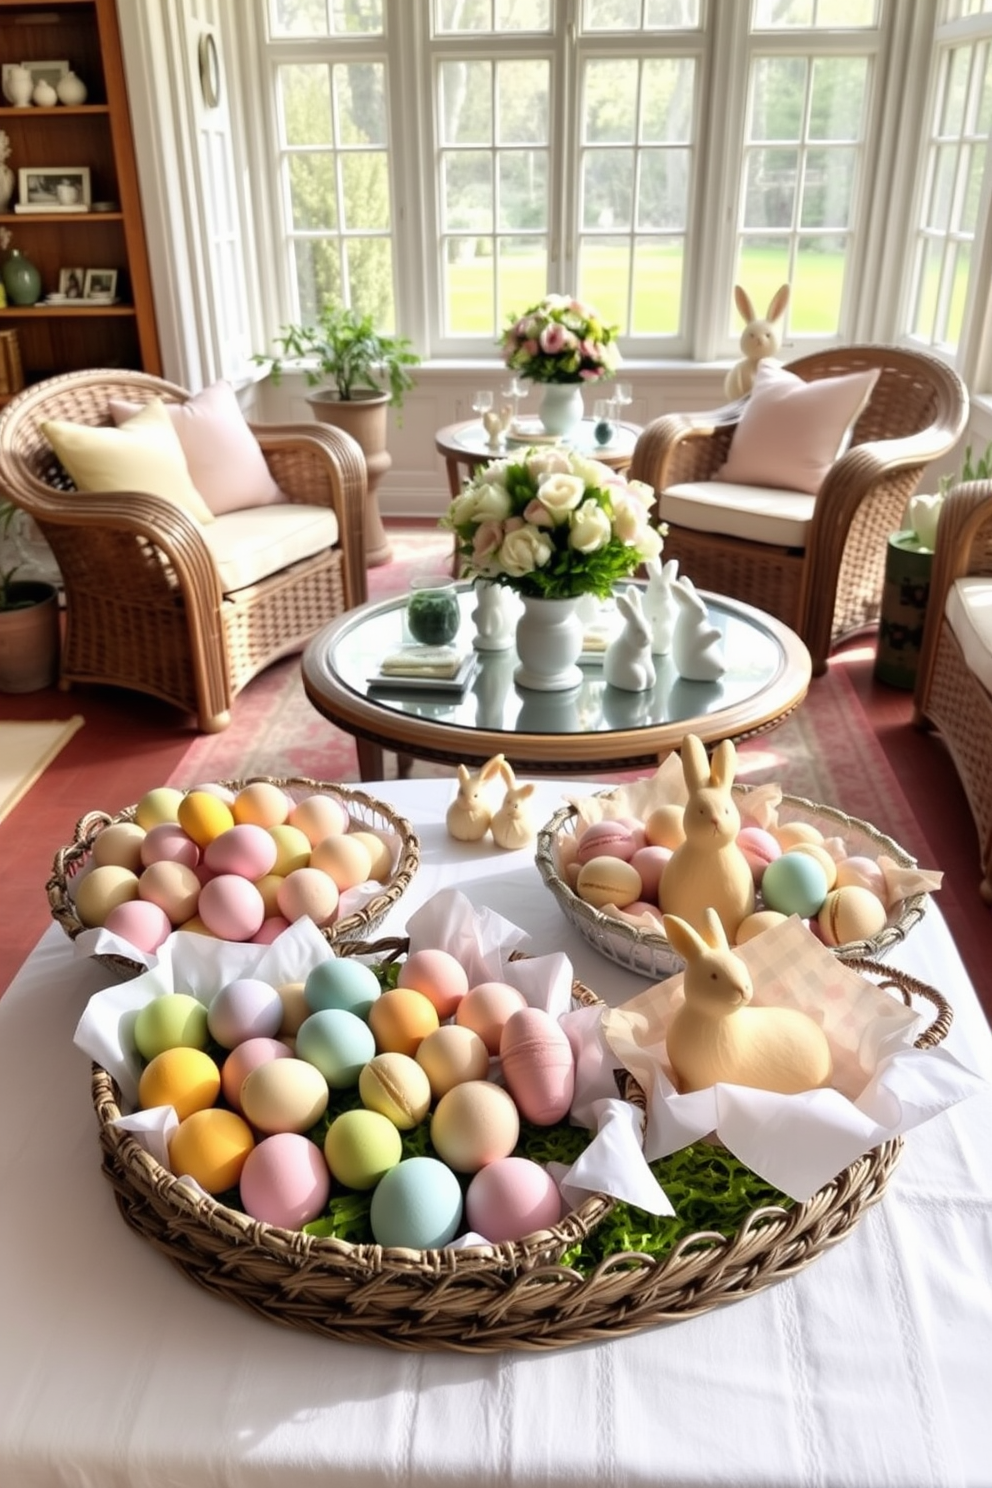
345 347
8 511
971 470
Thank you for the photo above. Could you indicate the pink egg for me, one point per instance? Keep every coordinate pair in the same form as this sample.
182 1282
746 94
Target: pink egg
308 891
636 829
246 850
285 1181
319 816
538 1066
242 1060
438 975
173 887
485 1009
243 1009
231 907
864 873
270 930
141 923
510 1198
650 865
609 839
168 843
760 848
639 909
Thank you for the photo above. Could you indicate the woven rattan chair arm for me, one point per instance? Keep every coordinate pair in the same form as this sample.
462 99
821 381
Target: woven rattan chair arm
964 546
684 446
323 466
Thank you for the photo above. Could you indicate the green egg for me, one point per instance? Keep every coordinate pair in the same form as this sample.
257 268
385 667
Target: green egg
361 1146
175 1021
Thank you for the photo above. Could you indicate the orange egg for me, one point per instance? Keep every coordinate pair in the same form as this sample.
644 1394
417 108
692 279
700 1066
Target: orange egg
308 891
212 1147
665 827
318 816
203 816
343 858
438 975
380 855
400 1019
485 1009
186 1079
261 804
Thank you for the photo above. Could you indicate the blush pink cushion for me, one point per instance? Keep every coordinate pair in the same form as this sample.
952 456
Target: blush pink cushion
791 431
225 462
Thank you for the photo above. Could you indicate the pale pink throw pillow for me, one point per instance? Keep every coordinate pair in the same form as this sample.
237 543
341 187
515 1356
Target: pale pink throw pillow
792 431
225 462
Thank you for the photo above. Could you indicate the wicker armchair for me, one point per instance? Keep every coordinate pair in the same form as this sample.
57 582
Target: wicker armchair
949 693
833 586
145 606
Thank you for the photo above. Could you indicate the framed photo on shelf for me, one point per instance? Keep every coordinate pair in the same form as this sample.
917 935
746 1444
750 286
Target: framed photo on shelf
71 282
53 188
100 284
46 72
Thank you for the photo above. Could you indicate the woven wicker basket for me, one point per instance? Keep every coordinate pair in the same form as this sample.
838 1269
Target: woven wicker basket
484 1299
364 810
650 954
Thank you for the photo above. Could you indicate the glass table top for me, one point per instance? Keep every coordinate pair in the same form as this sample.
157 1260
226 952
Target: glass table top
474 440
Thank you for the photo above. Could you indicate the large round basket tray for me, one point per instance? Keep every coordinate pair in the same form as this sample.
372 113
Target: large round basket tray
649 953
365 812
486 1298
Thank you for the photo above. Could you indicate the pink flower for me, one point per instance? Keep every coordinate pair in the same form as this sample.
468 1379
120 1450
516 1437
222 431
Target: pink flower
553 339
485 540
537 515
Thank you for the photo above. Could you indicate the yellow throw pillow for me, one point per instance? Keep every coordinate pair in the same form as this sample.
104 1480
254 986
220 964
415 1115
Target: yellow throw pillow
142 454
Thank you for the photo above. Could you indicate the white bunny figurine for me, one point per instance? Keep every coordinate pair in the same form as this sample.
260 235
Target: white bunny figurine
513 825
493 616
759 339
627 661
697 644
469 815
660 605
708 869
715 1036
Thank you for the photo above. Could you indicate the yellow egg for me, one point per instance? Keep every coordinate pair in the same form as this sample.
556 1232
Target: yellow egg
295 1008
186 1079
102 889
284 1095
292 849
212 1147
262 804
820 855
119 845
789 834
397 1087
343 858
380 855
665 826
268 886
195 926
757 924
474 1124
157 806
203 816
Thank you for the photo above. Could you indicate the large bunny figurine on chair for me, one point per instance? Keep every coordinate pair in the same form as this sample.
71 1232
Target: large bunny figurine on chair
759 339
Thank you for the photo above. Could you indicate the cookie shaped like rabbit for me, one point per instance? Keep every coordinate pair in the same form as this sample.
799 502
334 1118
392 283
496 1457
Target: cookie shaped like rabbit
715 1036
708 870
660 604
469 816
513 824
759 339
627 661
697 644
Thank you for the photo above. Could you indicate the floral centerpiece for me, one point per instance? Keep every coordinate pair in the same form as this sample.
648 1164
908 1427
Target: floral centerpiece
560 340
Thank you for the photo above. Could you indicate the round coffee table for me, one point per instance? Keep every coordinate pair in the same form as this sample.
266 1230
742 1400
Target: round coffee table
467 444
592 727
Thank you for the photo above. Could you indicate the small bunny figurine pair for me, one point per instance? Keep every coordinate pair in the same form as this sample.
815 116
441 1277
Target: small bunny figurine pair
708 870
470 817
627 661
759 339
697 644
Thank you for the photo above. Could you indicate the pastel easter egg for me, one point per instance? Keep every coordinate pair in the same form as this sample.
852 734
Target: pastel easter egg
246 849
608 881
231 907
787 834
261 803
168 843
759 848
397 1087
318 816
538 1066
864 872
119 846
451 1055
757 924
292 849
610 839
295 1008
176 1018
438 975
142 924
173 887
212 1148
819 854
285 1181
343 858
284 1095
241 1061
636 830
417 1205
186 1079
850 914
794 884
203 816
511 1198
639 908
309 893
101 889
380 855
649 863
158 805
342 982
485 1009
360 1147
400 1019
338 1044
269 930
474 1124
244 1008
224 793
664 826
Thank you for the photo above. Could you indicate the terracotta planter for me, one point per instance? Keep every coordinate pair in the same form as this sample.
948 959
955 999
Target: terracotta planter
29 639
364 417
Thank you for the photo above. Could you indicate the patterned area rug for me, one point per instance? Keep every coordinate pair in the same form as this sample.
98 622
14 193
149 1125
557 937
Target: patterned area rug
826 752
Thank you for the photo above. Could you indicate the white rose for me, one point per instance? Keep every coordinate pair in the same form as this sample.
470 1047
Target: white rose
492 503
560 494
591 528
546 462
523 550
592 472
649 544
629 519
642 491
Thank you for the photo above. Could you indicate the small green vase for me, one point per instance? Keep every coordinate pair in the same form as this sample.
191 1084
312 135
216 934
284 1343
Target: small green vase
21 279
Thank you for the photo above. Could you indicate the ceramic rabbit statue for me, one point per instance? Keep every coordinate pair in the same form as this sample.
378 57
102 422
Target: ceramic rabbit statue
513 825
716 1036
494 617
660 604
759 339
697 645
469 816
627 661
708 870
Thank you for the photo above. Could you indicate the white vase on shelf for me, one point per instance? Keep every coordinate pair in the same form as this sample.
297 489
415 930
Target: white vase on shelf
44 95
71 90
18 86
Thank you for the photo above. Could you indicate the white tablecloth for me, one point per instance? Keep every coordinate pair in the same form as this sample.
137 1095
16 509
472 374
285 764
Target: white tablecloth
871 1367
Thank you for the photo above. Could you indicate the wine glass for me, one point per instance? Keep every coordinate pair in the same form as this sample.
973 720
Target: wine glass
623 394
512 391
482 401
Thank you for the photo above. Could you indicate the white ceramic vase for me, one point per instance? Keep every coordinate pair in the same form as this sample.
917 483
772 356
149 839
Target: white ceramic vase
549 643
562 408
71 90
18 86
44 95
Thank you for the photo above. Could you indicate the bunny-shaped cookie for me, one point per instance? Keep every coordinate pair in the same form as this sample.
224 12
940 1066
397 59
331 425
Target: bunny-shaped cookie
513 825
627 660
697 644
708 870
715 1036
469 815
759 339
660 605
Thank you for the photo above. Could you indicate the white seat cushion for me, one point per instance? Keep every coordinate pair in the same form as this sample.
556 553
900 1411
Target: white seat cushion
969 614
766 514
249 545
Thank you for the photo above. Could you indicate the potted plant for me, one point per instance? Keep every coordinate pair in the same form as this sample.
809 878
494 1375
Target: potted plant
358 374
29 620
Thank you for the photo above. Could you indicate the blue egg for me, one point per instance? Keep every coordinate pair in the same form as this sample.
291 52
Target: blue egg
794 884
338 1043
417 1204
342 983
